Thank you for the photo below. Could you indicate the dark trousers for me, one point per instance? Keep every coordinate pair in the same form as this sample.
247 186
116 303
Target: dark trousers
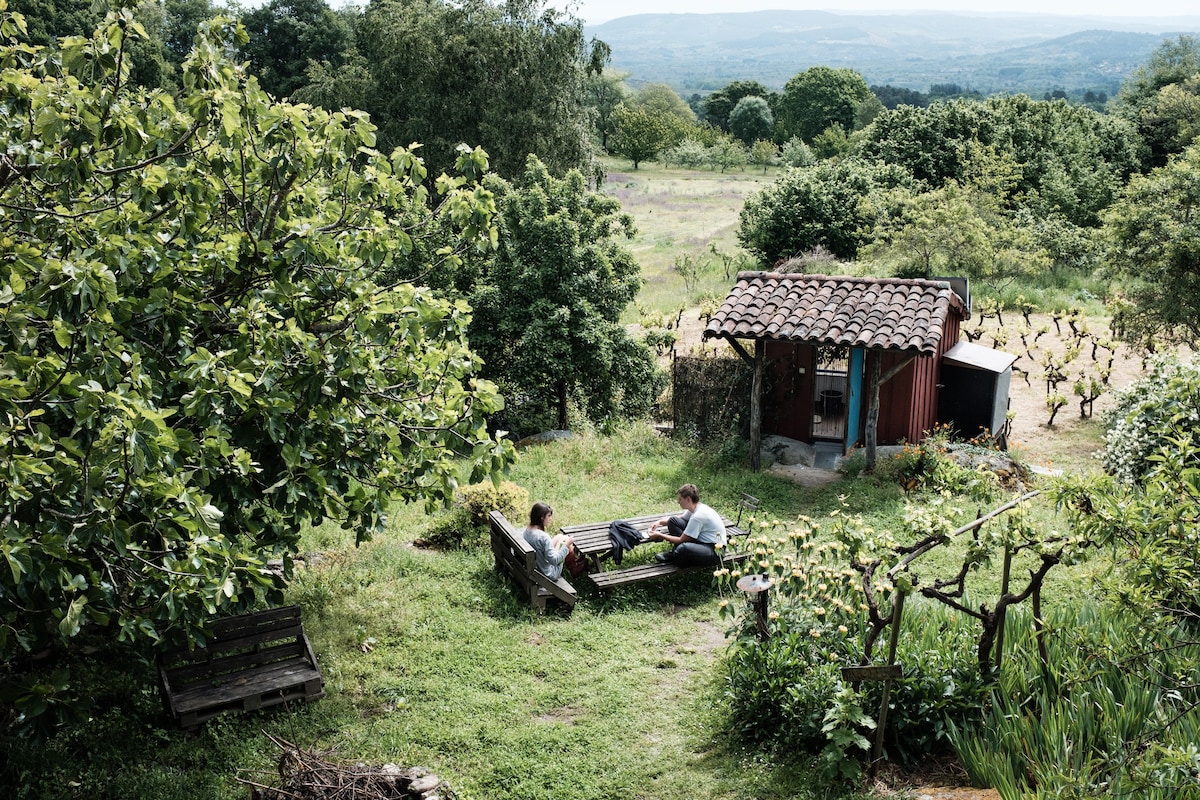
689 554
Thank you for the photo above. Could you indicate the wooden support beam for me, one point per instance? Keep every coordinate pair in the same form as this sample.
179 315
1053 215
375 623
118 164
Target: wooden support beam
741 351
760 349
873 367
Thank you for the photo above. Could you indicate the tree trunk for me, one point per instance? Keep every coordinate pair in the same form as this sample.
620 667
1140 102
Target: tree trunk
760 348
873 360
562 406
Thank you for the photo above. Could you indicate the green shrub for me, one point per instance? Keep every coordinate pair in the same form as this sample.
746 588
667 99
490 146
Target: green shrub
1149 413
466 524
929 467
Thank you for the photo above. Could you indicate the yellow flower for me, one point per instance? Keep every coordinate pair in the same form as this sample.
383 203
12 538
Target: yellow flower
841 628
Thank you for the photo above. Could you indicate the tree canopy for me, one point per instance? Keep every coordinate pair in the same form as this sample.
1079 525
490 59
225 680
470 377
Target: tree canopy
285 35
1155 233
751 119
195 360
1173 68
826 205
719 104
820 97
548 306
506 77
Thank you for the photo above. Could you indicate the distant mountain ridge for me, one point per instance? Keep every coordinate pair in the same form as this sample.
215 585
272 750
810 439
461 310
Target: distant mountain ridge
987 52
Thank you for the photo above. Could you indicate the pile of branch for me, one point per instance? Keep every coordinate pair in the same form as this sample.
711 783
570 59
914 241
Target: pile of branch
308 775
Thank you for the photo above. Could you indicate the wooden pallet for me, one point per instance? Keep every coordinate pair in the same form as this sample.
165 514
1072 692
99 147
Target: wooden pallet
251 661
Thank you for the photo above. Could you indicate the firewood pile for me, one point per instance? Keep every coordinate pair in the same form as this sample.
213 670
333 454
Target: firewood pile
308 775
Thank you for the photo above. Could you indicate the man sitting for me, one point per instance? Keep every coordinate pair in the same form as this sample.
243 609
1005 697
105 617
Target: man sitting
694 534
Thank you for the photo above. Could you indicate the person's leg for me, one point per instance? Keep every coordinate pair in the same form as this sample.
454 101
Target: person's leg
695 554
675 526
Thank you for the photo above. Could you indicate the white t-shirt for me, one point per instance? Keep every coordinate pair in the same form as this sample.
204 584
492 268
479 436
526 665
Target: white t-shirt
704 525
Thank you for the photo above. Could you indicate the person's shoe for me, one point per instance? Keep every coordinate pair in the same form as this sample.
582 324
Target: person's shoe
665 557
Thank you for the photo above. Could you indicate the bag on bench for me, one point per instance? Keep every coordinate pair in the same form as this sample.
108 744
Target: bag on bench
575 564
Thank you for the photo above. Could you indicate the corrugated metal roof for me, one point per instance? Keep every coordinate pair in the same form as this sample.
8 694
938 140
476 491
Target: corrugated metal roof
979 357
875 313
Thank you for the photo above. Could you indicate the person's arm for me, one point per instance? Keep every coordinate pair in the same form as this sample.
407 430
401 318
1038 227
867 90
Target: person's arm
550 549
654 526
561 542
663 536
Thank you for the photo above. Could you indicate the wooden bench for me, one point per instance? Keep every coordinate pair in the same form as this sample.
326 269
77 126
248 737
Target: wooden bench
515 557
251 661
592 540
606 581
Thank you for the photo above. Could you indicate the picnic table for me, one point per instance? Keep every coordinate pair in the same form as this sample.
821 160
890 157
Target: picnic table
593 543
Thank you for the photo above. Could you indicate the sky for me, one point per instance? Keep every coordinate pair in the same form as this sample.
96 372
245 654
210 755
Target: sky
596 11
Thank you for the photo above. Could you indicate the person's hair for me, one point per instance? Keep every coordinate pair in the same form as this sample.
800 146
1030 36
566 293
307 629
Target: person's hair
689 491
538 514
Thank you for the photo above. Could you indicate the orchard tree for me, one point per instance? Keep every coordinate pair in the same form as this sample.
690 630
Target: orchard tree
603 92
661 99
640 134
548 306
764 154
820 97
720 104
829 205
928 234
195 360
751 119
1155 234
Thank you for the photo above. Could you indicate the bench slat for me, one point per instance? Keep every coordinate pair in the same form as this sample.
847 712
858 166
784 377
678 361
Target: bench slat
644 572
206 670
280 676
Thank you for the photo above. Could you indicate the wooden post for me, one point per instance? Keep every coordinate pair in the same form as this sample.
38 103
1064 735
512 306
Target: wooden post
1003 608
756 406
873 362
893 641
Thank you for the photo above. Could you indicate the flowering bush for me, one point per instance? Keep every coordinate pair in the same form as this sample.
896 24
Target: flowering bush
1149 413
467 522
930 467
788 691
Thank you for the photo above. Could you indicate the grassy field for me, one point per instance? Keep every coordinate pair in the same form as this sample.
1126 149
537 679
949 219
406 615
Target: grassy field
682 214
431 660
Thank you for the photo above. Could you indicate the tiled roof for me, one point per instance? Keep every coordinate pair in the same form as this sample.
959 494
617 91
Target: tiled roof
876 313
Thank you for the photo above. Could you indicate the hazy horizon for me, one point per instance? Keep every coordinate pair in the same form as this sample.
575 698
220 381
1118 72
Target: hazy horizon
595 12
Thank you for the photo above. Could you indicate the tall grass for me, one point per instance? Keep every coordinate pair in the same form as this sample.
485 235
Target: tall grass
1113 711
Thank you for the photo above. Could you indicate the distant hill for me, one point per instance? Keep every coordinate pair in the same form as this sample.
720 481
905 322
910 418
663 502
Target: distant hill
988 53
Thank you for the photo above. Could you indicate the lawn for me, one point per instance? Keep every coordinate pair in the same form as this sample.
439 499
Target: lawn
432 660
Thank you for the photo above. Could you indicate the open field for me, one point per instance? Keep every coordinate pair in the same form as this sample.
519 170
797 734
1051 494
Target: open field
681 213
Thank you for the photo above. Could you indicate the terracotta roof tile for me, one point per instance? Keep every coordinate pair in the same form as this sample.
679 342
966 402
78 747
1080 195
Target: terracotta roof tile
877 313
